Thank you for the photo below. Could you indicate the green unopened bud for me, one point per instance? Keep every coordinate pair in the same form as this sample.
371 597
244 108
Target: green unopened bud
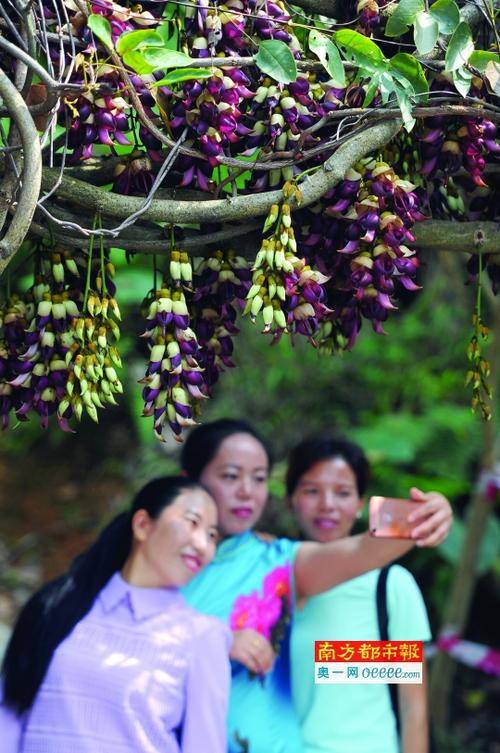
57 365
279 318
71 308
77 407
63 407
96 399
180 395
175 270
267 315
44 308
48 395
253 291
101 338
92 412
58 310
173 349
115 329
259 259
58 272
115 357
72 267
111 374
157 352
179 307
271 287
261 94
256 306
48 339
39 369
270 253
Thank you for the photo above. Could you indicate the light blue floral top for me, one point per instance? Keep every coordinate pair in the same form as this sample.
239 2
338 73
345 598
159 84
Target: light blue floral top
249 584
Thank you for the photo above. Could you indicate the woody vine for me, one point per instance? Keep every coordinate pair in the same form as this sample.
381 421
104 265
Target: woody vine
347 135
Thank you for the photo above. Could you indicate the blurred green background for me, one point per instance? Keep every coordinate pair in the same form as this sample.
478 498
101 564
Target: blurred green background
401 396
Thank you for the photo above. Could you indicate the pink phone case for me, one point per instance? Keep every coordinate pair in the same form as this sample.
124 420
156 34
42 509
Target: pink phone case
388 517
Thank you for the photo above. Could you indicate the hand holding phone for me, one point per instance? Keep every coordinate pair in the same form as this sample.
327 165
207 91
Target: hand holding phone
388 517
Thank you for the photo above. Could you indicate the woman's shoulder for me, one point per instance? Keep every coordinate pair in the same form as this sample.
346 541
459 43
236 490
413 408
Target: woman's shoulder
203 626
399 578
274 546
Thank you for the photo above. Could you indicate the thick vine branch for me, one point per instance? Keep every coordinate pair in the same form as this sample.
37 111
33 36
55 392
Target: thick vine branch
431 235
231 209
32 171
472 237
148 241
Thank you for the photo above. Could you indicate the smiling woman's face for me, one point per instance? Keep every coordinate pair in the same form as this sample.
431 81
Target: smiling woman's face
236 477
326 500
172 548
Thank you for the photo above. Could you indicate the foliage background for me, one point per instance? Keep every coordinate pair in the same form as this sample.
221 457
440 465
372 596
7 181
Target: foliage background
402 397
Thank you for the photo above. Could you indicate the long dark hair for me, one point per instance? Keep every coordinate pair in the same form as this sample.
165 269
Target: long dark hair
315 449
52 613
203 443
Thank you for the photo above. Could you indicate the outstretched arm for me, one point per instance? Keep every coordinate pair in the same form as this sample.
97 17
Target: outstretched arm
319 567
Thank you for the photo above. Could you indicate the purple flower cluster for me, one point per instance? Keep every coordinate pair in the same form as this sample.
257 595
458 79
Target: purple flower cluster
285 291
447 146
358 237
174 382
221 283
47 364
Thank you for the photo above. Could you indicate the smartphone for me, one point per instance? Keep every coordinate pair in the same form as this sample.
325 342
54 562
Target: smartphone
388 517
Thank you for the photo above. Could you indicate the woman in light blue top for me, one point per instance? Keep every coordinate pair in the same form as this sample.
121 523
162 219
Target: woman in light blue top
253 583
109 658
326 480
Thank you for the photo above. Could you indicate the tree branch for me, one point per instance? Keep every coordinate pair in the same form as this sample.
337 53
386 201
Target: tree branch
32 171
231 209
148 241
471 237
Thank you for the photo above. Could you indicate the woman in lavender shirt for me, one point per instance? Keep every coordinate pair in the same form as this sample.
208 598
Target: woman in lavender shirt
109 658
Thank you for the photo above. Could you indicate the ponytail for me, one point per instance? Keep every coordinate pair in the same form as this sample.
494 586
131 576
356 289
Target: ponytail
52 613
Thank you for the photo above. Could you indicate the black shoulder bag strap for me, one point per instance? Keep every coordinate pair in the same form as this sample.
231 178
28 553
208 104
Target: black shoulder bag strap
383 626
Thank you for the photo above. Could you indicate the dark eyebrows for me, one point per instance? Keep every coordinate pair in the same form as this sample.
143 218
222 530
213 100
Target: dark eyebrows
237 467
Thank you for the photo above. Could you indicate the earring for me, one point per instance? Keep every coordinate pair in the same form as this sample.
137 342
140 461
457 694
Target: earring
358 515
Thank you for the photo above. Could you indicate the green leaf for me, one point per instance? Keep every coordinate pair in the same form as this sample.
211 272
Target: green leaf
405 105
447 14
371 91
135 60
492 76
171 10
480 59
357 46
387 86
132 40
183 74
101 28
329 55
462 78
275 59
425 33
167 58
412 70
460 47
403 17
